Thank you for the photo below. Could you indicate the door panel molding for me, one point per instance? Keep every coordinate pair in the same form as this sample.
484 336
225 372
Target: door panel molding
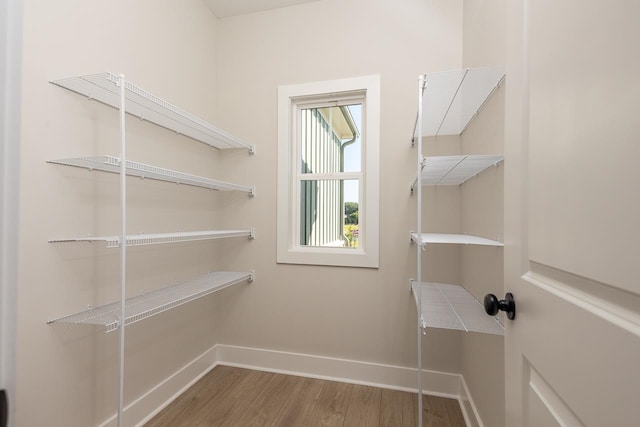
555 407
611 304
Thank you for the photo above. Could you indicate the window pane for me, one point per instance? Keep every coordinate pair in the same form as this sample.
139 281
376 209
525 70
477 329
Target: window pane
351 211
327 218
330 139
353 150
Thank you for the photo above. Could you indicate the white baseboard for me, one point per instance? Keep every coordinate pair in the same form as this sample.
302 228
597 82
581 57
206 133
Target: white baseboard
469 410
343 370
401 378
141 410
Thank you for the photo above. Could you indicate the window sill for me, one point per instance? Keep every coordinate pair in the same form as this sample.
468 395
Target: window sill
338 257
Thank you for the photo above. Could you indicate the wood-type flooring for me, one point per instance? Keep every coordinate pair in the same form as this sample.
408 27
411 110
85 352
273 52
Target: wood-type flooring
229 396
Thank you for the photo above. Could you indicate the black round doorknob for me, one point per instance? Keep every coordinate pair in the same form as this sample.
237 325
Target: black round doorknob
492 305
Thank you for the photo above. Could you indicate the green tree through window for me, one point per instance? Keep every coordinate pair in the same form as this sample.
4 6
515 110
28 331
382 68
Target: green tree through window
350 213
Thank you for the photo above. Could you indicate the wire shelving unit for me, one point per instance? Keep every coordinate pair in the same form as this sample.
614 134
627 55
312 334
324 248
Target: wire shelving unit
447 306
115 91
159 238
104 87
447 103
454 170
155 302
112 164
454 98
454 239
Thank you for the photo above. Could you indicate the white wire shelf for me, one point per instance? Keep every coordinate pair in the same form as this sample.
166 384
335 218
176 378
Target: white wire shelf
455 170
453 98
140 103
112 164
446 306
456 239
160 238
149 304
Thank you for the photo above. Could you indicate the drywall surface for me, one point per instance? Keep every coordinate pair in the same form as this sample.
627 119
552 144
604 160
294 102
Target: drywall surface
67 375
482 209
484 33
351 313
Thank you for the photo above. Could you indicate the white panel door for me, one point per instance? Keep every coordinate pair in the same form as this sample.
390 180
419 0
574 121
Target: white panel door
572 213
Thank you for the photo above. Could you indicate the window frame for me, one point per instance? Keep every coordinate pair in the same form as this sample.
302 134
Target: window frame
290 97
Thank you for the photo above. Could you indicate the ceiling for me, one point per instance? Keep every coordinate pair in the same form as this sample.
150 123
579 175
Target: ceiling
224 8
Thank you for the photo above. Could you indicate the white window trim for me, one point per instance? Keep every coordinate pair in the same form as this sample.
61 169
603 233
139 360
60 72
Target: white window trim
288 250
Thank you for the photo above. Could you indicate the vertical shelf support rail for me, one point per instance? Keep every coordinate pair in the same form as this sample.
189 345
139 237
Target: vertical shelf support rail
421 86
123 246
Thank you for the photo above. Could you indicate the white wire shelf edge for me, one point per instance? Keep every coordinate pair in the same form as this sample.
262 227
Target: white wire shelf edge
446 306
112 165
456 170
149 304
451 99
103 87
456 239
160 238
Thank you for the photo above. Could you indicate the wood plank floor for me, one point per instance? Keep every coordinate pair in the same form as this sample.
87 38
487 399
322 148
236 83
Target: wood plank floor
229 396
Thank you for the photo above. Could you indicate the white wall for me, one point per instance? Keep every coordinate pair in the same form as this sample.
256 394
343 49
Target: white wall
482 267
351 313
482 209
67 375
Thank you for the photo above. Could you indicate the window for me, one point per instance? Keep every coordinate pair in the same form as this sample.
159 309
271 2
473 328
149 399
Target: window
328 172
